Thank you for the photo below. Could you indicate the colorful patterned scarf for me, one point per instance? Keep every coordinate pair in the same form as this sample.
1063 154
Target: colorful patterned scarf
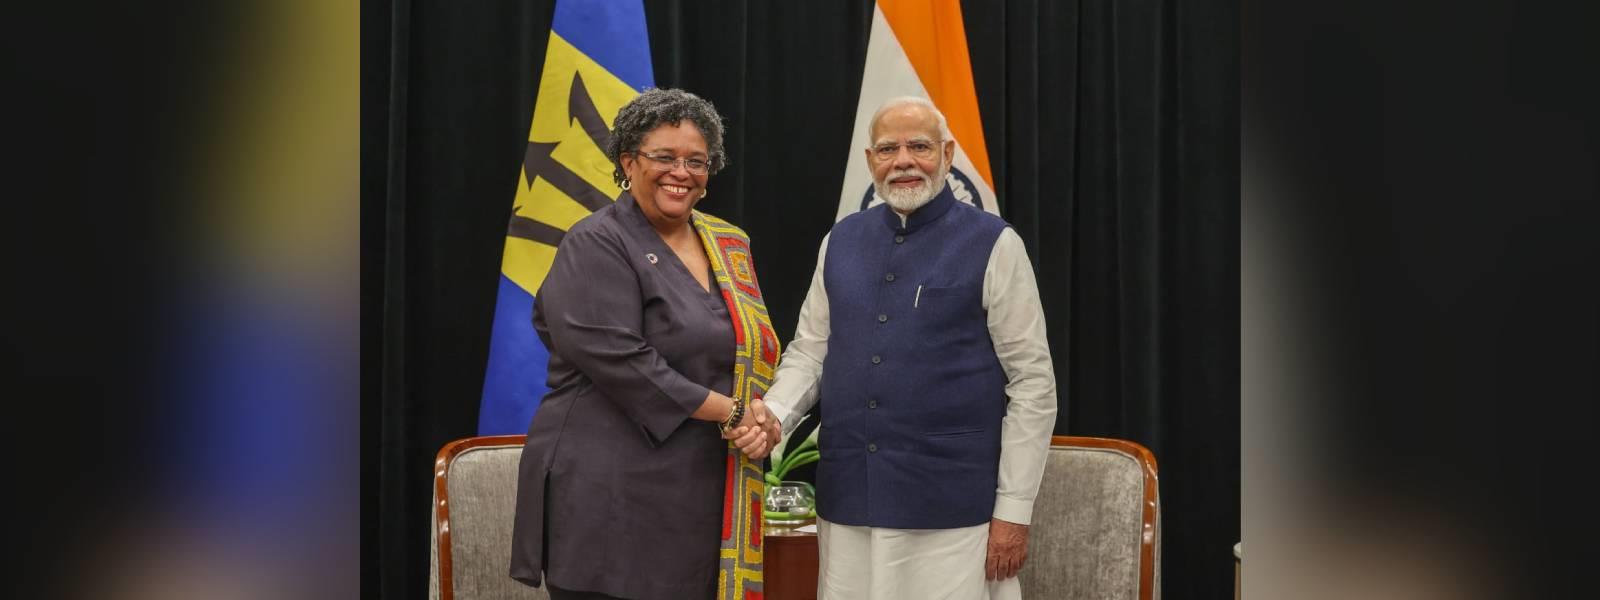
755 359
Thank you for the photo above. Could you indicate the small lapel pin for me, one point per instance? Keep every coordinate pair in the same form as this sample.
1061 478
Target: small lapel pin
651 256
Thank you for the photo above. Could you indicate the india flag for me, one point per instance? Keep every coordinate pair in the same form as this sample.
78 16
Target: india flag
919 48
597 60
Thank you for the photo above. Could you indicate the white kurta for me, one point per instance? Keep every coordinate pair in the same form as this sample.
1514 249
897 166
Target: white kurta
861 562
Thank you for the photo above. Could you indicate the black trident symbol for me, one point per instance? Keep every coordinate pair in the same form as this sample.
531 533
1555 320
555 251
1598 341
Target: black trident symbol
538 163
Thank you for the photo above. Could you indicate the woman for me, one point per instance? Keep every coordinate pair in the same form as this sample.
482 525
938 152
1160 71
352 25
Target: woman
660 347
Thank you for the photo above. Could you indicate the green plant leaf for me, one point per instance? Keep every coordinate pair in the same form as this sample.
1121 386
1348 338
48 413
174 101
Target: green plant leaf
798 459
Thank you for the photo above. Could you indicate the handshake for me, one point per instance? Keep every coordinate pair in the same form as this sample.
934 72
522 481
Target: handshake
756 432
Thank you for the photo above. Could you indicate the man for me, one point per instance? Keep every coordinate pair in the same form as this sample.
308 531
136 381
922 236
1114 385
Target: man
924 339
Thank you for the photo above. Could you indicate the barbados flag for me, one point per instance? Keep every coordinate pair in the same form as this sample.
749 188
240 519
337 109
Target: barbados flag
598 59
919 48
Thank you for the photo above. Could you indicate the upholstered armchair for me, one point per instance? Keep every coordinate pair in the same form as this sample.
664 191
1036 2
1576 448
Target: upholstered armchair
474 495
1096 531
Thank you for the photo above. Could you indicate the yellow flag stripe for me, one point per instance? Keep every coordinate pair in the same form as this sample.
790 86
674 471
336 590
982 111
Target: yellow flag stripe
525 262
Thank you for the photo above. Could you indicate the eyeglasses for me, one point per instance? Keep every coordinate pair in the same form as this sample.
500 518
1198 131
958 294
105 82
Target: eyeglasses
695 166
920 149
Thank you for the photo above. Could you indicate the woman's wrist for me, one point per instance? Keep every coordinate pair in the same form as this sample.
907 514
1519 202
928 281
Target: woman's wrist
735 414
718 409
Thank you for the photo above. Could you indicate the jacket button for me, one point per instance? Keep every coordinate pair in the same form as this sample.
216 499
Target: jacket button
872 404
889 277
872 447
899 239
876 359
883 318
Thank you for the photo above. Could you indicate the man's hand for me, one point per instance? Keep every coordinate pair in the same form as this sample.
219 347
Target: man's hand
758 432
1008 549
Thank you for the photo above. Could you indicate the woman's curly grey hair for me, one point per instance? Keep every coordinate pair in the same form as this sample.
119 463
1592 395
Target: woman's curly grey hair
656 107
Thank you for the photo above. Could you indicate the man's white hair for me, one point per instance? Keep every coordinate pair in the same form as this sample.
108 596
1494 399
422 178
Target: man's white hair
899 101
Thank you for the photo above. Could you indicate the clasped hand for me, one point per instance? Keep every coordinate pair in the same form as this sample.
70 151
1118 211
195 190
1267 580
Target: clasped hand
757 433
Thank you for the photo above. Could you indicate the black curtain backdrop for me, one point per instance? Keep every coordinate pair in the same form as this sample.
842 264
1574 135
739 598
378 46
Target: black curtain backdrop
1112 127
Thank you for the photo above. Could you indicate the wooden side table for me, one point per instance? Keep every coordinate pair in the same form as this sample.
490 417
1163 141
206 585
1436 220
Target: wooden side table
790 572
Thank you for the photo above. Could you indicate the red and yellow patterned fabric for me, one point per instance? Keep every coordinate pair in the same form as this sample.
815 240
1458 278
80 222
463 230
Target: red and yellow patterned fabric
756 348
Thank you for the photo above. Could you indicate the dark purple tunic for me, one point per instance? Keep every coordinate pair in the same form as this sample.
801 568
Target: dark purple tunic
619 491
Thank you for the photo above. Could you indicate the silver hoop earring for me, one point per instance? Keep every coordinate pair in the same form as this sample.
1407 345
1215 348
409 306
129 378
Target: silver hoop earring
704 193
626 184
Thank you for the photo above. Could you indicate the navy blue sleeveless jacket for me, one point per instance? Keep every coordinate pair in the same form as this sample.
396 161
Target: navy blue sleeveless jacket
912 393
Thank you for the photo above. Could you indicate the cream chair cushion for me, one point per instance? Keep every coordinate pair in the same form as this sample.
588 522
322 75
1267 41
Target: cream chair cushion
1084 542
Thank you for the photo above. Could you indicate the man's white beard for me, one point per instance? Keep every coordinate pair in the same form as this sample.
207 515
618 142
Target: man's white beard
908 200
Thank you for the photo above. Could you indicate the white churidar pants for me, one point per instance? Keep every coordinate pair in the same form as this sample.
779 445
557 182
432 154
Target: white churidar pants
872 563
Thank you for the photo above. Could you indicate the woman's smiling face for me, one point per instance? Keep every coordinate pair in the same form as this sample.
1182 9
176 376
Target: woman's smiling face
662 179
